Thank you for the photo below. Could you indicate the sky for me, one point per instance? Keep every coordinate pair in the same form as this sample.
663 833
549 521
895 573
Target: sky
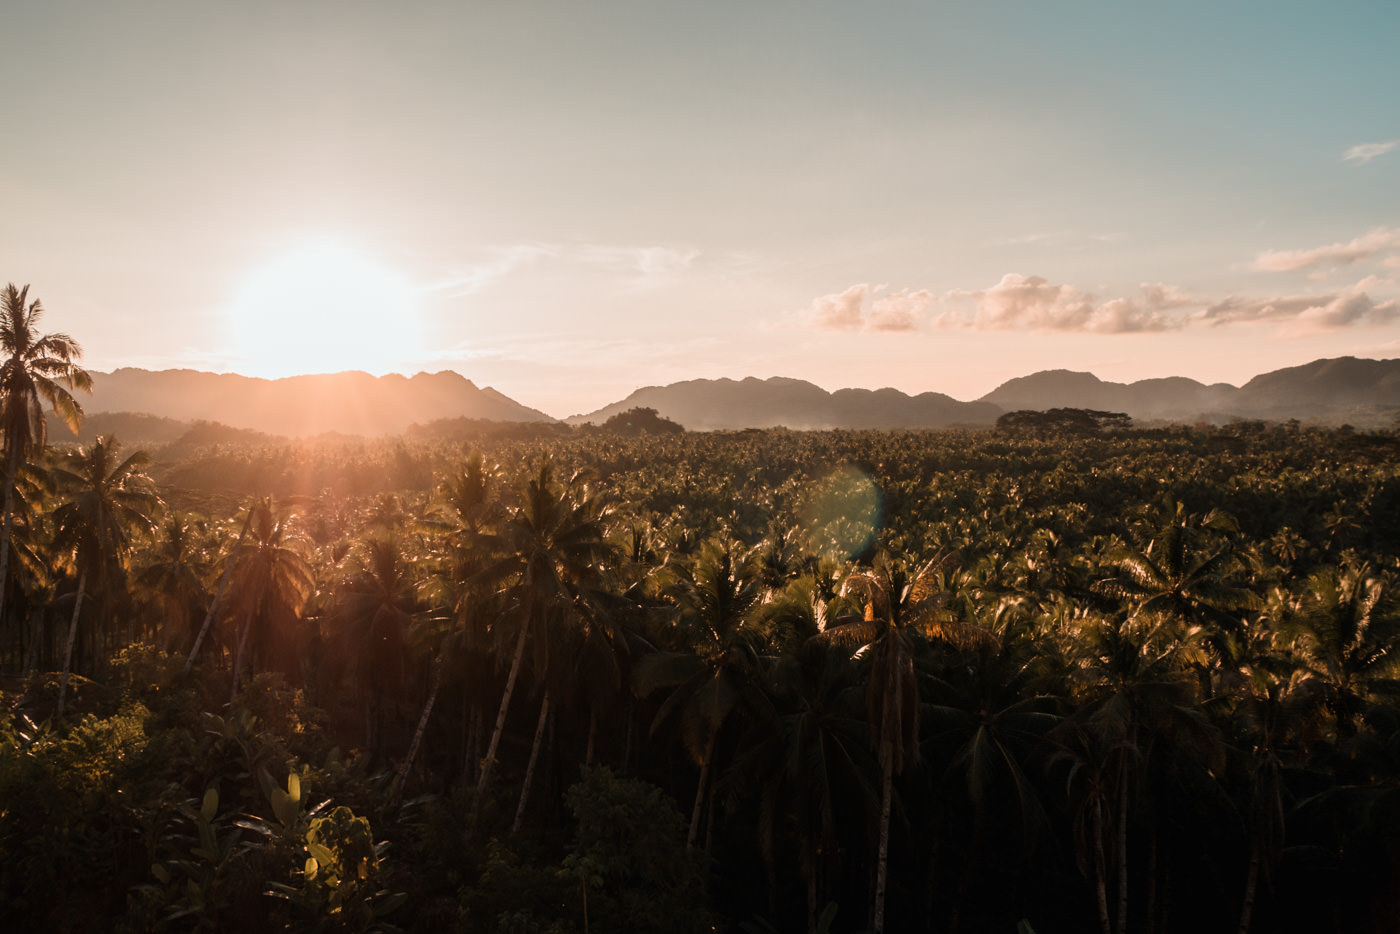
567 201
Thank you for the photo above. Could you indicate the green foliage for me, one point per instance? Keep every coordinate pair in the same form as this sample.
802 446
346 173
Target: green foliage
1174 645
629 860
338 885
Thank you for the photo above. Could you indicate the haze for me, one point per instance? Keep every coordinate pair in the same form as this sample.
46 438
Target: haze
580 199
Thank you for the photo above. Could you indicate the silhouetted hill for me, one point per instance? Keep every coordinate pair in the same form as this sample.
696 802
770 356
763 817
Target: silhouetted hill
1323 388
1363 392
1145 399
350 403
132 428
1336 390
712 404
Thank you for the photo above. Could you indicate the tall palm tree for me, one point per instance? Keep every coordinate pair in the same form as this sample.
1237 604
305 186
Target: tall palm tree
553 554
175 575
899 606
106 502
271 583
717 663
374 606
38 368
1187 568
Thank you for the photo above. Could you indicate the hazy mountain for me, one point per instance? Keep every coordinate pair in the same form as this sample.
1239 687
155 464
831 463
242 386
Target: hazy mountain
1324 388
1364 392
350 403
1145 399
159 406
1335 390
708 404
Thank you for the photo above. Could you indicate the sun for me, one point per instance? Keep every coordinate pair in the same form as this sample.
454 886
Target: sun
323 308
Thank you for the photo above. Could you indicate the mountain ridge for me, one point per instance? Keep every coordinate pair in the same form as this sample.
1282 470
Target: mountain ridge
1331 390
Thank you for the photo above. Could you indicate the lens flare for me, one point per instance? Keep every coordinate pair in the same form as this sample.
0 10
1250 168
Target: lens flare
842 513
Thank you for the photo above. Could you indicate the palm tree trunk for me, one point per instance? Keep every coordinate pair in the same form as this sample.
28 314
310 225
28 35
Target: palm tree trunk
530 767
1100 867
238 655
68 653
11 470
486 766
218 595
433 685
592 736
877 924
700 791
1123 850
1250 883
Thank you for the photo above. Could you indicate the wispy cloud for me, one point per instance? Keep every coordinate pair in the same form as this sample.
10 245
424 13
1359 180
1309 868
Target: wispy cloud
862 307
1376 243
645 265
638 266
470 279
1365 152
1301 315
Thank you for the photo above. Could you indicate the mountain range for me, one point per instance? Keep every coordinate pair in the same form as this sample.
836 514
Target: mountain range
159 405
351 403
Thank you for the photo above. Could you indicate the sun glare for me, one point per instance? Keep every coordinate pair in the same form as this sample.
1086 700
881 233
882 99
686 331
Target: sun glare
323 309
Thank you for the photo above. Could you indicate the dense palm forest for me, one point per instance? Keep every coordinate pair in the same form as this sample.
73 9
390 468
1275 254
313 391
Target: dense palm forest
504 681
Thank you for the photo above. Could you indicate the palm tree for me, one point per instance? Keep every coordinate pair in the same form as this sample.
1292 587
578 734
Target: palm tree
175 576
1347 639
810 763
1135 699
373 608
717 661
38 368
270 586
107 501
552 557
1190 572
899 606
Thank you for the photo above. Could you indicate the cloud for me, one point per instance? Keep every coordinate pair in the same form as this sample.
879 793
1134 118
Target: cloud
1031 302
472 279
850 311
1378 242
1308 314
1365 152
647 262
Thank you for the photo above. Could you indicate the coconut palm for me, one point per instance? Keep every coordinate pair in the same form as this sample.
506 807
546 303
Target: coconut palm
809 760
175 575
899 606
374 606
106 502
1346 637
270 584
551 558
38 369
1188 569
712 662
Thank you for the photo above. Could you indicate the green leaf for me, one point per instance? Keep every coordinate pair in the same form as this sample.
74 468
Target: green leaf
321 854
311 867
210 807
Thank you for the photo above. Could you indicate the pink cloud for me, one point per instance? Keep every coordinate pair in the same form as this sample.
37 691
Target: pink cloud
1377 242
847 311
1032 302
1308 314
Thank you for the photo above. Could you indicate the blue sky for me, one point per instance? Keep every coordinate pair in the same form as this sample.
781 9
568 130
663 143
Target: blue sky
567 201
